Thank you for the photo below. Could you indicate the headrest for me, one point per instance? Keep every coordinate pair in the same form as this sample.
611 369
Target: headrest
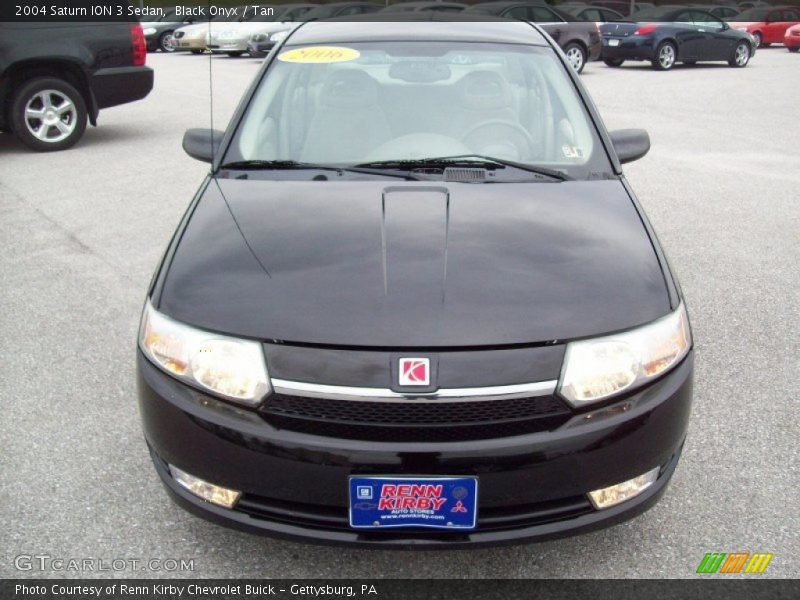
482 90
349 88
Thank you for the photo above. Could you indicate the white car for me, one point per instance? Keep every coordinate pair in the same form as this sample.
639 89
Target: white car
233 40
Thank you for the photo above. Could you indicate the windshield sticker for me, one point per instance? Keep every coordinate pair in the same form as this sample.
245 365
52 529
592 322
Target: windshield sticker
571 151
319 55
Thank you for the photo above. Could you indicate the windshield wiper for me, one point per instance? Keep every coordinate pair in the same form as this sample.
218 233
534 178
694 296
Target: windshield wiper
266 165
463 160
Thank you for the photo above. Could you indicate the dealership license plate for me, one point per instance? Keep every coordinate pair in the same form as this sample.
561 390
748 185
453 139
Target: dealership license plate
438 502
613 42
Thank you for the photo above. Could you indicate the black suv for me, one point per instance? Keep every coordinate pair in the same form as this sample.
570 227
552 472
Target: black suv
54 77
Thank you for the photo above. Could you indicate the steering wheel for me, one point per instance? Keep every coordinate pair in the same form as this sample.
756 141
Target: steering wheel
520 136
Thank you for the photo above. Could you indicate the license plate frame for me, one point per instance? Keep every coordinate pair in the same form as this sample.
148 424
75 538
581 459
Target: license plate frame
457 498
613 42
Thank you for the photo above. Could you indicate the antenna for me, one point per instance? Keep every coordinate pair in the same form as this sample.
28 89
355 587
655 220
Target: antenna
211 87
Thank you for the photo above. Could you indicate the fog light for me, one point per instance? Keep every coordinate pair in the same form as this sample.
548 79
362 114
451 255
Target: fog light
614 494
205 490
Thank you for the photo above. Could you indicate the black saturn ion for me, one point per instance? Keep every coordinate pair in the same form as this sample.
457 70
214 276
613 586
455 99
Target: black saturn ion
415 302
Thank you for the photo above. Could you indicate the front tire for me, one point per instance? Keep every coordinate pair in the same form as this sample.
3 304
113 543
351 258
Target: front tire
666 54
576 56
48 114
165 42
793 48
613 62
741 55
234 54
197 51
759 41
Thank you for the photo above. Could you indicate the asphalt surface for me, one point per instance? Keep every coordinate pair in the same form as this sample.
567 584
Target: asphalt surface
83 230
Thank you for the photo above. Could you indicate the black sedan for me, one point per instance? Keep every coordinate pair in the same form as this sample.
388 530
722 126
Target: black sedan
415 301
667 35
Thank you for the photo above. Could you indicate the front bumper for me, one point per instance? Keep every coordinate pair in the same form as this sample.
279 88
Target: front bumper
630 48
221 46
533 486
260 48
792 41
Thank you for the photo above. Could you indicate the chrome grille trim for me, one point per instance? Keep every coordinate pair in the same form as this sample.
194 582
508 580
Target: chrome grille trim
364 394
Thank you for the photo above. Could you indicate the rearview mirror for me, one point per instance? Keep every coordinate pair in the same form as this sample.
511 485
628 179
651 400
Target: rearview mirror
630 144
202 144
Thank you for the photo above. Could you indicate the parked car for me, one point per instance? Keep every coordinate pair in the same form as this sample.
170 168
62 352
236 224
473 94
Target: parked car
158 34
233 39
767 25
415 302
791 38
620 6
666 35
56 77
721 12
427 5
579 41
193 38
596 14
262 41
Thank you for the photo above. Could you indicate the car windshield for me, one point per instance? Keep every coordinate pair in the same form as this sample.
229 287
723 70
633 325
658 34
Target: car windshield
753 14
363 103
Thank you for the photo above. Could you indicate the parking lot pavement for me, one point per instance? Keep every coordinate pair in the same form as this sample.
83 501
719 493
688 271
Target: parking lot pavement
82 231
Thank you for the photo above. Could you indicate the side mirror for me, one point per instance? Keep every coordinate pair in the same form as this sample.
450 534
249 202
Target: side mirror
630 144
202 144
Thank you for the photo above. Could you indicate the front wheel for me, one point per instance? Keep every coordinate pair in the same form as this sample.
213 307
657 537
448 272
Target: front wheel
758 40
613 62
48 114
197 51
576 56
741 55
794 48
235 54
165 42
666 54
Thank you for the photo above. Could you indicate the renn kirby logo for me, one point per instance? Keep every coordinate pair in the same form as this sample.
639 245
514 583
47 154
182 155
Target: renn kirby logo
734 562
415 371
421 497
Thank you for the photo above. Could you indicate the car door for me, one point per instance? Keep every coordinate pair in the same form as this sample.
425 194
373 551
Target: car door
690 36
718 43
774 27
548 20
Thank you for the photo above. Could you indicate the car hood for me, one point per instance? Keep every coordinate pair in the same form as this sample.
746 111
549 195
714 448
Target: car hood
374 263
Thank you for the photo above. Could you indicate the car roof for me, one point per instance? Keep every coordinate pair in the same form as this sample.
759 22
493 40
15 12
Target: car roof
428 26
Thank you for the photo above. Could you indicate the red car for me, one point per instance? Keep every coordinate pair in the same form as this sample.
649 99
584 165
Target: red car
767 25
792 39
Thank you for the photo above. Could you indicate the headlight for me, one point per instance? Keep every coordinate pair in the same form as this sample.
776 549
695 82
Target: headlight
277 37
599 368
149 30
231 368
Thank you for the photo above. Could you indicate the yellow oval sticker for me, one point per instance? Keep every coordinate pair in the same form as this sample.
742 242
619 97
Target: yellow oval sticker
319 54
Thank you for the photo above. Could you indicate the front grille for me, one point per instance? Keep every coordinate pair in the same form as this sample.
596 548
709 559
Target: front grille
489 518
415 422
